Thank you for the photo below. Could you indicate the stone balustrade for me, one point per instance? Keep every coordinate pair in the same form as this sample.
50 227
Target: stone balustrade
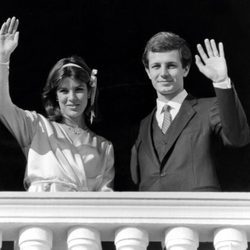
82 221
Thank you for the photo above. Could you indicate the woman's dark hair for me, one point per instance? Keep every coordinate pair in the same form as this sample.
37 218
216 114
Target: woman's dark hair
167 41
81 73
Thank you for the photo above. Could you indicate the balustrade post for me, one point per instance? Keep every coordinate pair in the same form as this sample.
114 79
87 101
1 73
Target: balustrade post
1 239
35 238
131 238
230 239
181 238
81 238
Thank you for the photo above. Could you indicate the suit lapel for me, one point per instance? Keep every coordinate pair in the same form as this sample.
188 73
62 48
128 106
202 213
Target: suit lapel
147 137
183 117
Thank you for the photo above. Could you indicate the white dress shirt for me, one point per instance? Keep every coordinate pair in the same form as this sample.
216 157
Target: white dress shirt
175 105
176 102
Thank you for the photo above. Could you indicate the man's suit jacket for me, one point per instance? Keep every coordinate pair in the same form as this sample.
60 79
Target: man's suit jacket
191 144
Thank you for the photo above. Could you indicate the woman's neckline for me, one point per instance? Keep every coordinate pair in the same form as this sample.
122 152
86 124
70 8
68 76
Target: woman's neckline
73 127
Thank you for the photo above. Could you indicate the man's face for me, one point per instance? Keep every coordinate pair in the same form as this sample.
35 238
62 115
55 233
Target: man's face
166 73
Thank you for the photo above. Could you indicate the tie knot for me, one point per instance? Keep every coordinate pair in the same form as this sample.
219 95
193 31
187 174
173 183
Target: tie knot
166 108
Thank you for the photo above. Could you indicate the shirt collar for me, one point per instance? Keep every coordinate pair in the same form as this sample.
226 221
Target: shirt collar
174 103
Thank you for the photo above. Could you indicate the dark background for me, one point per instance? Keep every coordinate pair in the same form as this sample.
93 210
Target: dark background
111 36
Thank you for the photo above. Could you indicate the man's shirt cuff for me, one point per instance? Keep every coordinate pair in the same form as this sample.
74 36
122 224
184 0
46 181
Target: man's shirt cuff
223 85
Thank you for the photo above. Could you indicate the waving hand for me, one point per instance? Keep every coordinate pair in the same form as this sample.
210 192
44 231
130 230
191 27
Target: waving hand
212 64
8 38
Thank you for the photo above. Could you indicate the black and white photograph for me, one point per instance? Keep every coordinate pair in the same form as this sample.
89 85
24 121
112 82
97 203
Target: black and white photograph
125 124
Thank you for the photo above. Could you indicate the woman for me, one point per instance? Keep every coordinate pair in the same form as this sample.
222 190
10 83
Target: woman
62 153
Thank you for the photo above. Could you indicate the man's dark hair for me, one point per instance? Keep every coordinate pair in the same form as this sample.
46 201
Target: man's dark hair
168 41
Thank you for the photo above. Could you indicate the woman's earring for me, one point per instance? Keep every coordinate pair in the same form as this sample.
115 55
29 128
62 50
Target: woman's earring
93 79
89 94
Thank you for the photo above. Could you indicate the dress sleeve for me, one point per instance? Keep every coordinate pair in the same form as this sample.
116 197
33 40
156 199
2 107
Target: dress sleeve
109 171
22 124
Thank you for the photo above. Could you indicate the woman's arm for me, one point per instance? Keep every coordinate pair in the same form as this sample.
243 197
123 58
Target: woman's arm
8 42
20 123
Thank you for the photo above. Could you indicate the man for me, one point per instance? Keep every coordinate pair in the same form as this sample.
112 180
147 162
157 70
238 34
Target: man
178 153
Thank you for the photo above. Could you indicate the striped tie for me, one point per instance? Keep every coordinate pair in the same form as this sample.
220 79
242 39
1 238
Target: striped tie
167 119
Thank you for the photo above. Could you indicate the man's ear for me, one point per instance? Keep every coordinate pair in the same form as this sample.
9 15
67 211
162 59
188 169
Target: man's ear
186 70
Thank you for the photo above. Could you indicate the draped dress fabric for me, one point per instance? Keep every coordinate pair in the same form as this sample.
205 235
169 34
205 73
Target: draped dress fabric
55 161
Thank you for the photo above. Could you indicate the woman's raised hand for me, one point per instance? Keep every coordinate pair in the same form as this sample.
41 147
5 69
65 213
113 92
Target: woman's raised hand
8 38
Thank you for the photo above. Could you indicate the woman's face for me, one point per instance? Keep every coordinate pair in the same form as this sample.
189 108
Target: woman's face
72 98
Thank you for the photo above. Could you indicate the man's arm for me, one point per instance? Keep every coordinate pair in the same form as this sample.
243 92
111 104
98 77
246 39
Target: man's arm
213 65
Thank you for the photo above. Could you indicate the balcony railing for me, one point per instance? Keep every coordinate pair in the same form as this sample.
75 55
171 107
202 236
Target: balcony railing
81 221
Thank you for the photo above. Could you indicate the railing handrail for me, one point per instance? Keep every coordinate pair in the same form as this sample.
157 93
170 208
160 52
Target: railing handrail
153 211
234 196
